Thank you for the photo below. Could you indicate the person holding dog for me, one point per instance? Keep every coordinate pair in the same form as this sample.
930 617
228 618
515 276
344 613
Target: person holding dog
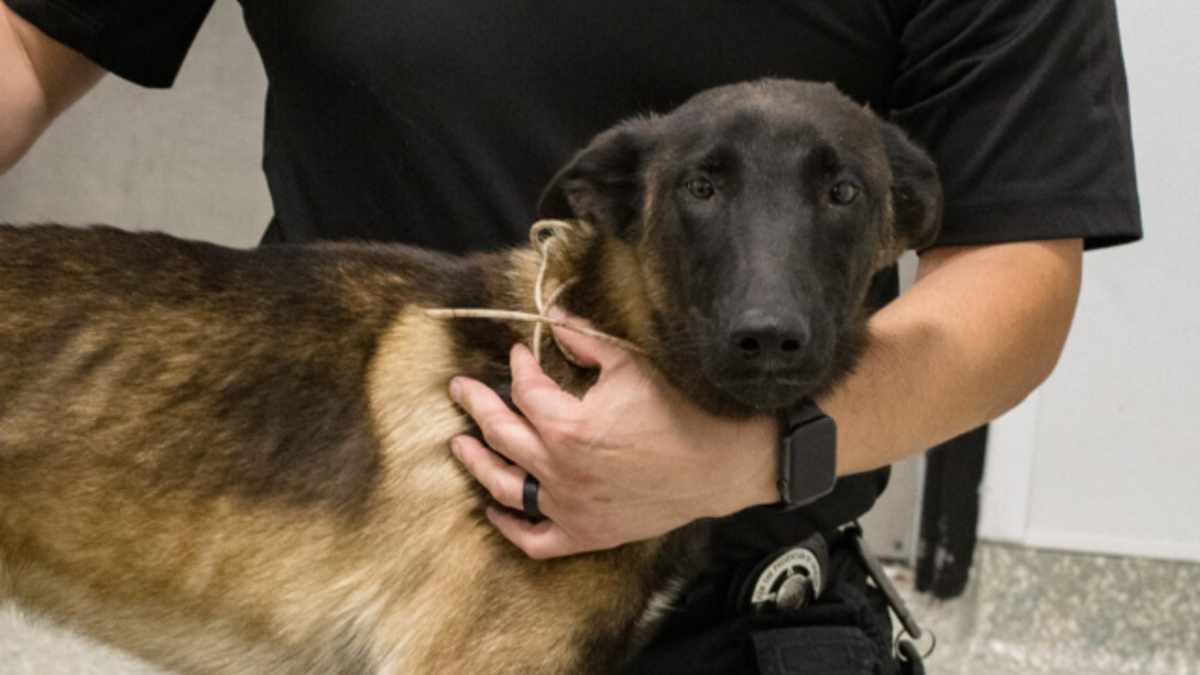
438 124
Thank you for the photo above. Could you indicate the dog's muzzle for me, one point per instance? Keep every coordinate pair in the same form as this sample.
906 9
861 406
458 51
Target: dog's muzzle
765 359
769 341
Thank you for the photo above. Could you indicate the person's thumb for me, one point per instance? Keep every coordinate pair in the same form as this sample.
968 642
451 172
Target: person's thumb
585 350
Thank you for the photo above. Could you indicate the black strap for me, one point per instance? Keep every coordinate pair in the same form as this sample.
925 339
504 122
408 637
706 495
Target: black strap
911 662
815 650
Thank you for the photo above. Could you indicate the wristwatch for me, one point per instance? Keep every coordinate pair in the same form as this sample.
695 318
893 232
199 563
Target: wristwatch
807 455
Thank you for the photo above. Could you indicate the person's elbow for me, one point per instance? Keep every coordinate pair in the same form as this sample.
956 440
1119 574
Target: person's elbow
1053 271
39 78
21 123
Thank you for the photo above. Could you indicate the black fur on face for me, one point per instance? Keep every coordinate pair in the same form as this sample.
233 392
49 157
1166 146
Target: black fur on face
762 211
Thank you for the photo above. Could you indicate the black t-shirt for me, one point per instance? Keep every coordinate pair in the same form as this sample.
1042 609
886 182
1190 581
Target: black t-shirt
437 123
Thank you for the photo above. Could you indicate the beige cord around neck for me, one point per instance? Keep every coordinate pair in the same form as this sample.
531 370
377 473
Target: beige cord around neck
540 302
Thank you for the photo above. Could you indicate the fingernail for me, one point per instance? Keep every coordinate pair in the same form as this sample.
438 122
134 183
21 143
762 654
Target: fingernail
556 313
456 447
455 389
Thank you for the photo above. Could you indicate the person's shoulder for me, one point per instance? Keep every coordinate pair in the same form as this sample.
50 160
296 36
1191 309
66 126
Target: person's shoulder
143 41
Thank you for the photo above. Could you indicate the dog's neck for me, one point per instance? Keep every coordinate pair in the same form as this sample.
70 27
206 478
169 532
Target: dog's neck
589 274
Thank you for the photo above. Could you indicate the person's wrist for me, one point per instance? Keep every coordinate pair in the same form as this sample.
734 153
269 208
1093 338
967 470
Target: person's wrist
746 474
760 450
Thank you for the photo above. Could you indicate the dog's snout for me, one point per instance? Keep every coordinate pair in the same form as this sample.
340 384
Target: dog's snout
768 336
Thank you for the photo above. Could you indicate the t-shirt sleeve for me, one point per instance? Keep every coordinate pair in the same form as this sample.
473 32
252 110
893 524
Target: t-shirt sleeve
143 41
1024 106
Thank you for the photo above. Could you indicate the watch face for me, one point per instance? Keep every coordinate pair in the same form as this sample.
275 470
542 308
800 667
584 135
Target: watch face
810 460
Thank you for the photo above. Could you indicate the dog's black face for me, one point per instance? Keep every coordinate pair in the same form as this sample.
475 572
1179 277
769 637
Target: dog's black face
761 212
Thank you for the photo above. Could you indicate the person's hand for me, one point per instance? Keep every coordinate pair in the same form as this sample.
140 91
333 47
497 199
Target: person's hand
630 461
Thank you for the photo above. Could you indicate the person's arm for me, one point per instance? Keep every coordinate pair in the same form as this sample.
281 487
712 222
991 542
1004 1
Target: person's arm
39 78
979 330
982 327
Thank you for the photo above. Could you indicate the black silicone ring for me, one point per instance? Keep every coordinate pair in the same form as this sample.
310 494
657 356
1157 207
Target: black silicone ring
529 498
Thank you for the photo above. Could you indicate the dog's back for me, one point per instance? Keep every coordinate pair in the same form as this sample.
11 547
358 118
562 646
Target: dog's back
245 453
224 367
236 461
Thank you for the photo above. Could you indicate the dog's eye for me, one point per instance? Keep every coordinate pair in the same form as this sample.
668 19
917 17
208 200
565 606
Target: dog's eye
843 193
701 188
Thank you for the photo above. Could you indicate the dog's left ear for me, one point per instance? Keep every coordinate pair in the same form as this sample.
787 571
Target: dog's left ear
603 184
916 191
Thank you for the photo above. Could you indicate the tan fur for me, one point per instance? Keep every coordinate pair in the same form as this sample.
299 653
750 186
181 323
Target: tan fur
418 582
236 462
454 608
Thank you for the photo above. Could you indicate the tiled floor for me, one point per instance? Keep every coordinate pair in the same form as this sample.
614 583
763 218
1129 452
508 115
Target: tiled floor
1025 612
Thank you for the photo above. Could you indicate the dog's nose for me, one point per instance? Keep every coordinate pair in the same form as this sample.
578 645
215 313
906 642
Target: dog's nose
760 335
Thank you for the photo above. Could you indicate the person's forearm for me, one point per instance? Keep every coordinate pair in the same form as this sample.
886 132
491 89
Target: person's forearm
981 328
39 78
634 458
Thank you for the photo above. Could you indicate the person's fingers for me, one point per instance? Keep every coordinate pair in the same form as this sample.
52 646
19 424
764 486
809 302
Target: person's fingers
537 395
504 481
587 350
540 540
505 431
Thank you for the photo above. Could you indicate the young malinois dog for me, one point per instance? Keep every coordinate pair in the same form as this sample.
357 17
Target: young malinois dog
236 462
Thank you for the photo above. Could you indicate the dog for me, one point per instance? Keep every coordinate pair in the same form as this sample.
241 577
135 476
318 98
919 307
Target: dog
233 462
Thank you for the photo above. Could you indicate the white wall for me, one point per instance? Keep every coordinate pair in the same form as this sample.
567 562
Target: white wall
184 161
1106 456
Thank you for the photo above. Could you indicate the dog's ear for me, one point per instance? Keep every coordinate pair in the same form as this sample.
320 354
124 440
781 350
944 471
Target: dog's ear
916 191
603 184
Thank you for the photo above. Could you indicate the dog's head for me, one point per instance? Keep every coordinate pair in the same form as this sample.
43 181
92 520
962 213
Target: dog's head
759 214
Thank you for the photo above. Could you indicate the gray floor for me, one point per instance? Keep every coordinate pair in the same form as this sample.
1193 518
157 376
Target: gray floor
1029 611
1026 611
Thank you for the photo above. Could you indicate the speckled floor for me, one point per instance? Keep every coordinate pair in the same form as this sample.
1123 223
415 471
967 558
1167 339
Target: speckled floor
1039 612
1026 612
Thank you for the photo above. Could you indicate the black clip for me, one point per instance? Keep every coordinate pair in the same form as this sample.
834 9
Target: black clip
883 583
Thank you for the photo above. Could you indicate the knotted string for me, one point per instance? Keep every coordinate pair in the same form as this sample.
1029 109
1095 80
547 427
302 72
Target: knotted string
542 304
